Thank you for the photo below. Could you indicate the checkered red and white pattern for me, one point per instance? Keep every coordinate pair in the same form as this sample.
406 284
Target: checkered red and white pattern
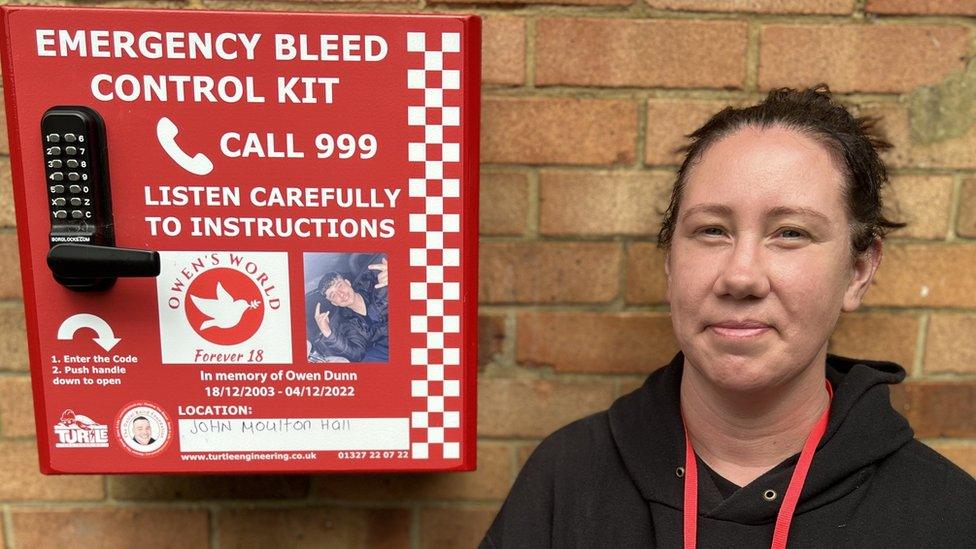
435 225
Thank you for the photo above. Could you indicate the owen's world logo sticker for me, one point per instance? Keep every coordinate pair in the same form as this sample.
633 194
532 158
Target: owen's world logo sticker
224 308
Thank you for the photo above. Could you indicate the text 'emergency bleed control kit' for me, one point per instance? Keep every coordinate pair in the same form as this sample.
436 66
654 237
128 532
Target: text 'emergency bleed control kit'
248 240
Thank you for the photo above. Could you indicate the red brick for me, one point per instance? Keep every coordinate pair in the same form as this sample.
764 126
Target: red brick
558 130
537 407
21 479
16 407
670 120
10 268
911 151
301 527
758 6
504 203
876 336
962 454
595 342
938 408
646 282
947 7
503 51
524 452
491 337
966 224
950 346
629 384
109 528
925 275
170 487
454 528
491 480
13 337
7 218
860 58
547 272
923 202
602 203
629 52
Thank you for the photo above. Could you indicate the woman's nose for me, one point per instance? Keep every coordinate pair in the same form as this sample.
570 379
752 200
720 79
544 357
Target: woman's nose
743 272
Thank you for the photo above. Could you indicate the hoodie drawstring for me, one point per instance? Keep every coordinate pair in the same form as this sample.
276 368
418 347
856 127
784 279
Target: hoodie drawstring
785 515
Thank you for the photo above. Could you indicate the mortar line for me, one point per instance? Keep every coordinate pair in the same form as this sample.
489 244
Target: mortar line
641 154
529 65
534 213
620 301
923 328
753 31
509 347
415 527
955 206
212 523
8 528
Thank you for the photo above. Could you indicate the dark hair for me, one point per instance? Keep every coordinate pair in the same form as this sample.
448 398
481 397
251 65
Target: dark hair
852 141
330 278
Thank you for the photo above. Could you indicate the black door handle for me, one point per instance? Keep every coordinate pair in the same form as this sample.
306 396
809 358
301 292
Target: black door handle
88 267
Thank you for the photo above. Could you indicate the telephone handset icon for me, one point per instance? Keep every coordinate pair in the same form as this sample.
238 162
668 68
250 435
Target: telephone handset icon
166 132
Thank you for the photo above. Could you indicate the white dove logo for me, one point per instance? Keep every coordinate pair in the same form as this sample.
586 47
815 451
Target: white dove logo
224 311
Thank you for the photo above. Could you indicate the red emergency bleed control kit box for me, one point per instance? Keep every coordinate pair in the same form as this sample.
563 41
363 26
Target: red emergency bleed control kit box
248 240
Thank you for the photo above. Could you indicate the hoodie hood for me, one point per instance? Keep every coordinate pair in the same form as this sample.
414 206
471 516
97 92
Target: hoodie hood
862 430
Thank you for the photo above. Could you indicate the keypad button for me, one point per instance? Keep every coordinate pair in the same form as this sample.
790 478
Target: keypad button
57 189
59 202
54 151
70 138
61 214
57 176
70 150
53 138
73 176
74 188
77 214
56 163
72 163
75 201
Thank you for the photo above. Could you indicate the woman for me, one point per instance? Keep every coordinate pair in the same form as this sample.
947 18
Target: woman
753 435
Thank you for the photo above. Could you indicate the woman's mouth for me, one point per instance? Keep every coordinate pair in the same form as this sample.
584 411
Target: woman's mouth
739 331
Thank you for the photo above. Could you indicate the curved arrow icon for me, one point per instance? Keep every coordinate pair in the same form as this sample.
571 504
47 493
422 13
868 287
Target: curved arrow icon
106 337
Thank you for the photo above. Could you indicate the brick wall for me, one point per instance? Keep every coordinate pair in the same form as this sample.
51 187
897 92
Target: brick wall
584 101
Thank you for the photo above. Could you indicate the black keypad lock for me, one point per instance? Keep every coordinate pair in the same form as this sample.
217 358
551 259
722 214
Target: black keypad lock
76 169
83 255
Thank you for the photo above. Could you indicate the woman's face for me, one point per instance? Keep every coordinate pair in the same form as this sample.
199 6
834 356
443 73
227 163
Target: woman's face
760 268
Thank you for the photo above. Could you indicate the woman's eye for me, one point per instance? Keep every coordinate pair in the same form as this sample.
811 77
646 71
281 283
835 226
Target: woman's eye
793 233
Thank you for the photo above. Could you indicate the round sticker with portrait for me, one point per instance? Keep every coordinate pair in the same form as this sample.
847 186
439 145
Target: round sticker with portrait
143 428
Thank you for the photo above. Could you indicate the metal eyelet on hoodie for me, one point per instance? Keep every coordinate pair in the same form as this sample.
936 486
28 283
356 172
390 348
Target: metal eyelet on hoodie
769 495
679 472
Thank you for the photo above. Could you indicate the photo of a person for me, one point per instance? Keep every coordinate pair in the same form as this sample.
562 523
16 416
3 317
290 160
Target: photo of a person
142 431
347 310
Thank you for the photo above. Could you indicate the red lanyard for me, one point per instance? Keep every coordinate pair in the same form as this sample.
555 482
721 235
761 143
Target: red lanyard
785 515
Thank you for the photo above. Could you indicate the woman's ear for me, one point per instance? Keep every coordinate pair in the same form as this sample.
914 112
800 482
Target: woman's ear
865 265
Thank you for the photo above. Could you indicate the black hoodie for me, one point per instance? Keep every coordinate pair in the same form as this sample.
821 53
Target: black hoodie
610 480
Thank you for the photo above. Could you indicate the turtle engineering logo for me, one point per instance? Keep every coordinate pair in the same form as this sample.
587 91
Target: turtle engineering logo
223 307
80 431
